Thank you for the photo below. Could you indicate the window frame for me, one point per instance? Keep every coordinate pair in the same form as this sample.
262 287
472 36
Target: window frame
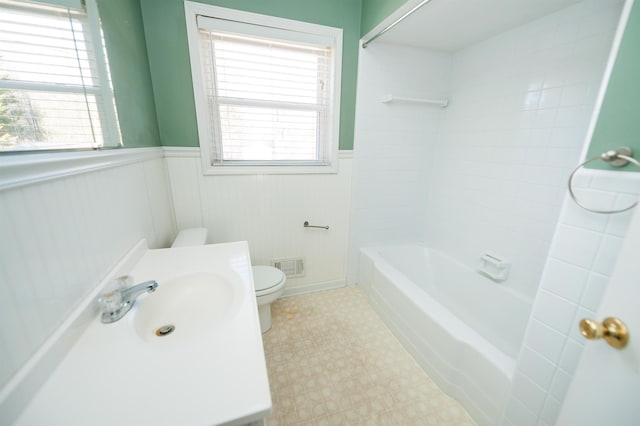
205 120
107 111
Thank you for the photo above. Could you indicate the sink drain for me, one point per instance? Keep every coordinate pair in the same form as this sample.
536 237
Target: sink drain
165 330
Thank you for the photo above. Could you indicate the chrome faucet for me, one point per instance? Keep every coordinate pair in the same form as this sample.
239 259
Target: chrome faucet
117 303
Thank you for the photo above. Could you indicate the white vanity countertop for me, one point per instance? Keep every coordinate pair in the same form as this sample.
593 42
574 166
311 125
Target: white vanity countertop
209 376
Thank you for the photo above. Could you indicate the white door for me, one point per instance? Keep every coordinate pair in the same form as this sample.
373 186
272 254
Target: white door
606 386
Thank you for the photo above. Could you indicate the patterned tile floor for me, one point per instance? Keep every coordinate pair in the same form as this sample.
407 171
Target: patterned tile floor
332 361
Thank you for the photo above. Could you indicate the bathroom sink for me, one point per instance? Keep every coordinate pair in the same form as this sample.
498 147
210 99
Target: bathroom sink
209 370
185 307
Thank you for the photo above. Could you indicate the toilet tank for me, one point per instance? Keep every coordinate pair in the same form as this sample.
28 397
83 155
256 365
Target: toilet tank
191 237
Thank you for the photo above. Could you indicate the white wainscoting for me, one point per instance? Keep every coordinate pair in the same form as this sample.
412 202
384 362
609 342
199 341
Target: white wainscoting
268 211
63 228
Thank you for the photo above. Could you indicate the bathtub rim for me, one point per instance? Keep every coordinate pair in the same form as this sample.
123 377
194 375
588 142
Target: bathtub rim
441 315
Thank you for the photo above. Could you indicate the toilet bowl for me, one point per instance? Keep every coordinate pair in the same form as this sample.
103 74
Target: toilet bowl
268 281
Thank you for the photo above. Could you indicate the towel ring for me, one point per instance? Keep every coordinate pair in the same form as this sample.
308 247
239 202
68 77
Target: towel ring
617 158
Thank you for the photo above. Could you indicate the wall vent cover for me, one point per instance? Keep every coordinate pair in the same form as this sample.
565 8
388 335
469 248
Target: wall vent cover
292 267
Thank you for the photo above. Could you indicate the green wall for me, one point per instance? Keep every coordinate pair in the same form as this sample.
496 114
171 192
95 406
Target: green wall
375 11
619 120
127 51
165 30
164 114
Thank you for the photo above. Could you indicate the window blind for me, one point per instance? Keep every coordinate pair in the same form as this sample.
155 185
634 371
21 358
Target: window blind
50 93
270 97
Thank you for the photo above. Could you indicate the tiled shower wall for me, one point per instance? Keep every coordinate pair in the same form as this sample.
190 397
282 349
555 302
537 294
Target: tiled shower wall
394 143
520 108
60 237
582 258
487 173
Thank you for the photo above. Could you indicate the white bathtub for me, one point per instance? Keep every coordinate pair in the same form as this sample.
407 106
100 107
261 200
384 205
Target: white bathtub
462 328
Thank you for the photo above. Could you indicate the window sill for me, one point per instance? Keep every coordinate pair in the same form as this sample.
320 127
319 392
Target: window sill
269 169
208 169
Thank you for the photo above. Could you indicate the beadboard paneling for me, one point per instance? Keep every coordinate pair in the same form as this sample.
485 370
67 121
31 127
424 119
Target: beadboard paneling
268 211
60 237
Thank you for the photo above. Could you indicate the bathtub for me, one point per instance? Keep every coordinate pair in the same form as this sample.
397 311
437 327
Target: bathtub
462 328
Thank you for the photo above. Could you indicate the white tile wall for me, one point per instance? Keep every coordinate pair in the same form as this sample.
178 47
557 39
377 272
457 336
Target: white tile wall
268 211
393 144
576 274
520 108
488 172
59 238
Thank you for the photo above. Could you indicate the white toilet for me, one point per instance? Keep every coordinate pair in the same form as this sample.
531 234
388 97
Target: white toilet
268 281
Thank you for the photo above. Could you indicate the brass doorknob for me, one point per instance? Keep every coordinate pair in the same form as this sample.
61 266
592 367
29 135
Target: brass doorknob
612 330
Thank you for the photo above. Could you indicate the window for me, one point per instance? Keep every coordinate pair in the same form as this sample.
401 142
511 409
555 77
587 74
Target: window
55 91
267 91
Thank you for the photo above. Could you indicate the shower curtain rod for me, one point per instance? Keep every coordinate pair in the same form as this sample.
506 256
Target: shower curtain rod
394 23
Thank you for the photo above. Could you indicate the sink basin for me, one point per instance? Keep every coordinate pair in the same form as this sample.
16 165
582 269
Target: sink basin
186 307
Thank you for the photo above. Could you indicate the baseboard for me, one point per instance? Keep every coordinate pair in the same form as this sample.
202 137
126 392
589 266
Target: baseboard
312 288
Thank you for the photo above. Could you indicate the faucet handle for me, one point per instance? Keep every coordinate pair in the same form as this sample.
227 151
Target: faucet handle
111 301
123 282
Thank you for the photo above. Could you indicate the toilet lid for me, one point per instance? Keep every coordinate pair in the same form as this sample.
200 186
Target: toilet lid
265 277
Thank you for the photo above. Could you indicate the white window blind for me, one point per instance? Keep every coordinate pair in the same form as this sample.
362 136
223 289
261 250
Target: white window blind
51 89
269 92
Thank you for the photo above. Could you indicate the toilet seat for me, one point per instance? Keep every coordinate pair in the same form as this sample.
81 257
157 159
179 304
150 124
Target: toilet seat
267 279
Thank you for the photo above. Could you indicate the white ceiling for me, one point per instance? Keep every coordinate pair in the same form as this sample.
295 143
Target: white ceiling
454 24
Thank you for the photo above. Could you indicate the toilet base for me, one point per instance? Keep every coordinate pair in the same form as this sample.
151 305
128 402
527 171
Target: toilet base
264 312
